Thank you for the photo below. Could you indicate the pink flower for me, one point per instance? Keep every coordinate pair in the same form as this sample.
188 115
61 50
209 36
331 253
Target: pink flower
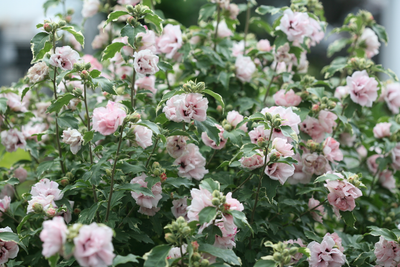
179 207
175 252
342 91
315 164
387 180
106 120
342 195
227 240
14 102
53 236
382 129
201 198
387 252
282 55
233 11
40 202
371 41
9 249
4 206
33 127
233 203
286 99
296 257
327 120
45 188
331 150
96 65
193 106
295 25
313 128
223 30
392 97
73 138
208 142
245 68
312 203
170 41
90 8
176 145
38 72
259 132
64 57
299 176
264 45
191 163
279 171
12 140
324 255
21 174
170 108
147 83
337 239
147 202
253 162
281 146
289 118
363 89
128 2
237 49
143 136
373 165
93 246
234 118
317 33
148 40
396 157
145 62
148 212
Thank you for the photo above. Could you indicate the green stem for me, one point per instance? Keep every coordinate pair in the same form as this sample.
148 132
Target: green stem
127 216
246 27
152 152
133 92
209 161
216 27
245 181
373 182
270 83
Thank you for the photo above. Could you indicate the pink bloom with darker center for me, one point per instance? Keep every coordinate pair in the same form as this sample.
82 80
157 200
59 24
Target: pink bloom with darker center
253 162
14 101
313 128
170 41
295 25
279 171
208 142
148 40
327 120
234 118
317 33
201 198
342 195
315 164
392 97
93 246
193 106
363 89
4 206
179 207
382 129
299 176
371 41
143 136
245 68
337 239
289 118
90 8
145 62
287 99
170 108
325 255
12 140
317 216
191 163
176 145
106 120
283 147
259 132
64 57
387 252
53 236
45 188
8 249
331 150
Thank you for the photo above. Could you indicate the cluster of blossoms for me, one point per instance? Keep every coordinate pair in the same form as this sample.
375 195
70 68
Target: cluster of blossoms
186 107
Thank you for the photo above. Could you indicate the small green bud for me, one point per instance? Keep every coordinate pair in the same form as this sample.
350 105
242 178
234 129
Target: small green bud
277 257
129 8
323 106
85 74
392 214
108 172
216 194
268 116
70 11
88 66
215 201
331 104
181 221
170 238
293 250
196 256
276 123
61 23
78 67
186 230
227 127
47 27
287 260
223 199
285 253
204 263
37 207
388 219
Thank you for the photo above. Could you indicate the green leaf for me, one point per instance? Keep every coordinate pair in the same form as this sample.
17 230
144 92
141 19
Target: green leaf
227 255
262 10
124 259
388 72
217 97
312 236
151 125
318 91
136 188
67 120
131 169
164 66
8 236
48 4
239 218
114 16
24 92
337 64
155 20
111 50
77 34
60 102
38 43
206 11
11 181
270 187
3 105
224 78
87 215
348 218
261 24
326 176
207 214
280 39
289 132
44 166
210 185
387 234
105 84
178 181
53 260
265 263
257 117
131 33
208 126
87 137
336 46
381 32
22 223
95 73
158 256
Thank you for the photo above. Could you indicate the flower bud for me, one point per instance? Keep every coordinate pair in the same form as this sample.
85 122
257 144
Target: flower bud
285 253
170 238
123 77
277 257
109 172
181 221
186 230
315 108
196 256
78 66
68 19
276 123
215 201
331 104
195 246
388 219
293 250
88 66
261 142
323 106
223 199
84 74
274 156
219 108
64 182
204 263
70 11
77 211
268 116
227 127
216 194
163 177
134 117
287 260
37 207
129 8
51 212
61 23
392 214
120 91
47 27
131 21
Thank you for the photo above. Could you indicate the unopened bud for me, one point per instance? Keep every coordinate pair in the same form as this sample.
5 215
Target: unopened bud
129 8
315 107
170 238
70 11
215 201
227 127
109 172
64 182
68 19
204 263
388 219
287 260
77 211
293 250
156 165
195 245
88 66
277 257
51 212
223 199
181 220
268 116
274 156
131 20
323 106
37 207
216 193
392 214
277 123
331 104
120 91
84 74
261 141
186 230
163 177
69 175
47 27
61 23
219 108
285 253
123 77
78 67
196 256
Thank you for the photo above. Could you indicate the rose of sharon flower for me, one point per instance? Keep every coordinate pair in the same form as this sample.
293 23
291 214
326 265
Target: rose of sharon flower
396 157
4 206
148 204
312 203
253 162
193 106
208 142
170 41
145 62
287 99
331 150
147 83
64 57
53 236
363 89
387 180
234 118
227 240
317 34
387 252
191 163
176 145
337 239
245 68
392 97
45 188
73 138
90 8
143 136
327 120
342 91
9 249
264 45
14 101
96 65
295 25
371 41
282 147
342 195
313 128
315 164
179 208
93 246
233 11
325 253
201 198
38 72
223 30
289 118
171 106
259 132
12 140
148 40
299 176
41 202
128 2
279 171
296 257
382 129
106 120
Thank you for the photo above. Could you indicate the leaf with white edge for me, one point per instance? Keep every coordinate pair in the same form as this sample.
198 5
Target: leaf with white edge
210 185
11 181
348 218
337 45
381 32
50 3
263 9
318 91
387 234
265 263
208 126
3 105
280 39
105 84
155 20
289 132
77 34
111 50
164 66
337 64
114 16
95 73
131 33
327 176
217 97
157 256
87 137
57 105
67 120
239 218
227 255
124 259
38 43
8 236
151 125
207 214
206 11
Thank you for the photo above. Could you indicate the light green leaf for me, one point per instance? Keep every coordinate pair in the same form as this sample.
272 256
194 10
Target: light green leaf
124 259
38 43
155 20
53 260
111 50
263 9
387 234
114 16
210 185
337 45
164 66
67 120
381 32
206 11
327 176
60 102
226 255
135 188
207 214
88 136
3 105
217 97
131 33
157 256
239 218
348 218
77 34
105 84
48 4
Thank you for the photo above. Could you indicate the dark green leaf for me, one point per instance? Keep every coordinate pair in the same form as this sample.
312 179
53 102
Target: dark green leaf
8 236
53 260
206 11
318 91
3 105
227 255
95 73
151 125
11 181
270 187
124 259
313 236
77 34
239 218
48 4
280 39
87 215
387 234
158 256
131 33
164 66
381 32
111 50
337 64
44 166
67 120
216 96
24 93
131 169
224 78
178 181
336 46
136 188
105 84
208 126
348 218
38 43
207 214
210 185
265 263
60 102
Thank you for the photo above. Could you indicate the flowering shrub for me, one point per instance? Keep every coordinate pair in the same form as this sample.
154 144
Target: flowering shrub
201 146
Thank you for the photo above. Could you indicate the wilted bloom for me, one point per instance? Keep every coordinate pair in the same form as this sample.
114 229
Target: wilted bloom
64 57
331 150
392 97
38 72
9 249
4 206
106 120
342 195
234 118
325 253
245 68
170 41
143 136
12 140
176 145
142 200
53 236
21 174
179 207
315 164
373 164
382 129
312 203
73 138
93 246
145 62
327 120
371 41
363 89
295 25
191 163
387 252
286 99
208 142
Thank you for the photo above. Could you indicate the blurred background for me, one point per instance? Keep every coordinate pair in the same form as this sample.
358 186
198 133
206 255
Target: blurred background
18 19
